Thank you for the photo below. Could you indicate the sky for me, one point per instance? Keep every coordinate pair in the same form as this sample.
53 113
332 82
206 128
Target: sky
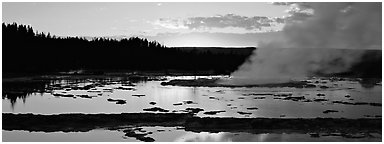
224 24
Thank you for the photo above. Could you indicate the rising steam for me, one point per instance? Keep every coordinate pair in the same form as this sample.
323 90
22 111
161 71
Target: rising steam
318 38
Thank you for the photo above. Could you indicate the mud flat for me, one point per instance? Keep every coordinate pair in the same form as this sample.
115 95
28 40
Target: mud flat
203 82
87 122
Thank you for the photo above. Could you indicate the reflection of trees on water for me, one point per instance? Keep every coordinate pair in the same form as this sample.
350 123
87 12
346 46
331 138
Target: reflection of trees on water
21 90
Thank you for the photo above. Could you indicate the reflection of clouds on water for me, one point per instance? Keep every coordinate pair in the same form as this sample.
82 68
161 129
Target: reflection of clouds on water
264 137
205 137
272 137
242 137
229 137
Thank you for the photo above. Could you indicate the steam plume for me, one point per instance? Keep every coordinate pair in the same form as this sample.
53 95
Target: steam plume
318 38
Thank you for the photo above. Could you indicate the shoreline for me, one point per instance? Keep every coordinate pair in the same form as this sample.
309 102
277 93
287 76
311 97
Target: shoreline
78 122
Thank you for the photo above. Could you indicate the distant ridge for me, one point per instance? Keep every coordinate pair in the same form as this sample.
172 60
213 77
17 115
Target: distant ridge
243 51
218 47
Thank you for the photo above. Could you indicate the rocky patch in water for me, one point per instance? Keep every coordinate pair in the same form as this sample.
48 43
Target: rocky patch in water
213 112
307 100
289 96
194 110
156 109
177 104
259 97
139 134
117 101
294 98
282 94
252 108
84 96
203 82
330 111
320 94
138 95
346 135
108 90
128 84
244 113
357 103
320 100
125 88
189 102
323 87
347 96
63 95
94 91
212 97
257 94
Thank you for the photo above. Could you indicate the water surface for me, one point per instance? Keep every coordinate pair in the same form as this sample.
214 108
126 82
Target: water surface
337 98
236 102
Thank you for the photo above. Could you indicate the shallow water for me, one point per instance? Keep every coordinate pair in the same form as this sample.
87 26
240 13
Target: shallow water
235 102
172 134
91 136
231 100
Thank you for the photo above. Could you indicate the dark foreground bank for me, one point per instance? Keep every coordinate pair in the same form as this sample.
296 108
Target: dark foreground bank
350 128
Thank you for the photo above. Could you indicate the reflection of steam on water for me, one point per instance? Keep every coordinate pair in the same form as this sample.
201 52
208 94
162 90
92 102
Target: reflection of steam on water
243 80
321 43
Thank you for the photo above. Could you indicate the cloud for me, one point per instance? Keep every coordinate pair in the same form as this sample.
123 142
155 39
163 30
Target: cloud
170 23
215 38
299 12
282 3
250 24
231 20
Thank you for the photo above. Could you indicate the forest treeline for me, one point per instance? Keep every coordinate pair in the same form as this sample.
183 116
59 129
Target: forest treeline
27 51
